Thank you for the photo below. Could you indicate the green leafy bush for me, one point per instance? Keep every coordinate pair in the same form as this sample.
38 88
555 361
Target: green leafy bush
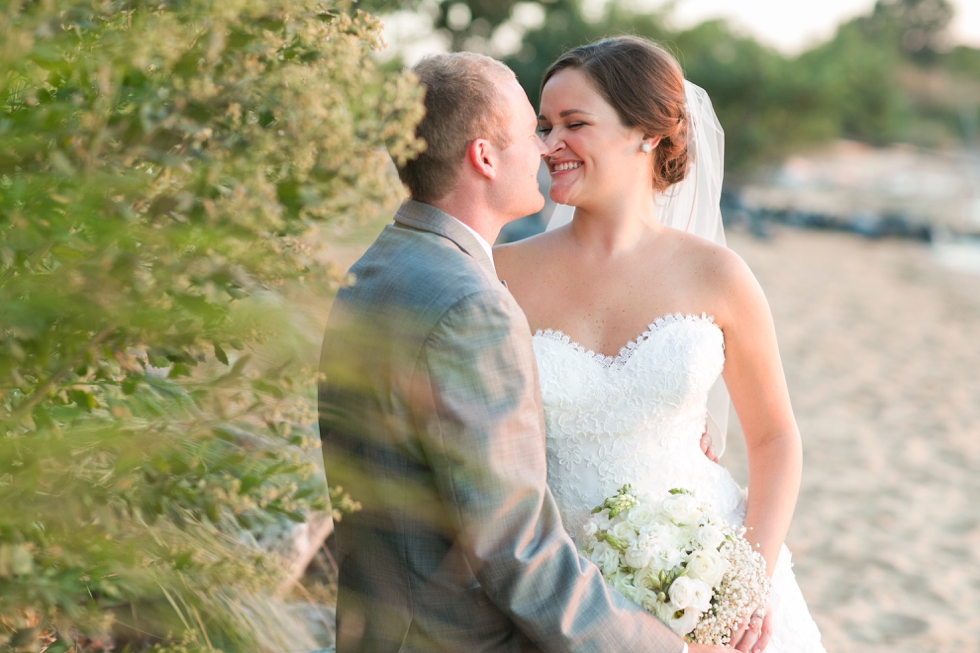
163 170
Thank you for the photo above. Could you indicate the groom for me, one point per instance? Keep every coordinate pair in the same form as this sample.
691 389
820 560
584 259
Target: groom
430 414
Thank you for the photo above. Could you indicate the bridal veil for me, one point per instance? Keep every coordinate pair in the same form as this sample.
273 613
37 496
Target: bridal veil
693 205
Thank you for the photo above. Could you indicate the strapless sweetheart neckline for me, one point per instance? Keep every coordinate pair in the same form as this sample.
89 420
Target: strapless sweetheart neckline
626 351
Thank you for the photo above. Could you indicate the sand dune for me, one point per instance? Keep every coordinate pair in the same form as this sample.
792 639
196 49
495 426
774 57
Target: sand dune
882 353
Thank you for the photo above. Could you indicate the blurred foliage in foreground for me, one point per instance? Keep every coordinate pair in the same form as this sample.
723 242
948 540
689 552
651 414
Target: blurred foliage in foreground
162 166
884 77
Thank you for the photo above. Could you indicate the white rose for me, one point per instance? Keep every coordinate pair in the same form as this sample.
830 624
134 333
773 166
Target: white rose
606 558
681 593
623 532
701 599
685 623
638 555
708 566
682 508
645 576
641 515
710 537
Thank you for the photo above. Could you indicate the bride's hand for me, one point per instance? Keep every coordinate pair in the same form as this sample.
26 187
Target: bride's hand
754 632
706 447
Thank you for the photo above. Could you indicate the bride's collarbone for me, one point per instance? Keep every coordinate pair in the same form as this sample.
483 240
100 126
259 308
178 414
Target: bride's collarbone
604 307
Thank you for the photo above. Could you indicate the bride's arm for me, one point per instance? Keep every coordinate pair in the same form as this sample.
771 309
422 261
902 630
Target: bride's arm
755 380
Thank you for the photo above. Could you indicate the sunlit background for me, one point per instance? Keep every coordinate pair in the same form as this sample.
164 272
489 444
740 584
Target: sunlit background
183 186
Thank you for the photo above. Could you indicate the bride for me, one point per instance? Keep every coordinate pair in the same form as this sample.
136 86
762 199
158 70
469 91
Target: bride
636 320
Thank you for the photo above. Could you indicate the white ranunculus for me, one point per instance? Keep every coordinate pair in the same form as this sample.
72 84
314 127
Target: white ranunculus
710 537
623 532
606 558
708 566
641 515
682 508
681 537
681 593
685 623
638 555
701 600
589 529
666 557
657 533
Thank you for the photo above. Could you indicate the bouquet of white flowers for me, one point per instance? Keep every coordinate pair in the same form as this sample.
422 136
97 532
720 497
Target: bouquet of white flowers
679 560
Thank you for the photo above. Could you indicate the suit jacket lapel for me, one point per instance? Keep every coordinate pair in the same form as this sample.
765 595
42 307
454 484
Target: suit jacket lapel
426 217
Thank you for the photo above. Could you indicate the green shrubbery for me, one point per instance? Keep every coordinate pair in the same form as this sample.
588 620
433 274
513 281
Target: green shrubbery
162 167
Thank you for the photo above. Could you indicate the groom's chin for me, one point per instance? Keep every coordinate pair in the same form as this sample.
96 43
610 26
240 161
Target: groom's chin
527 208
538 204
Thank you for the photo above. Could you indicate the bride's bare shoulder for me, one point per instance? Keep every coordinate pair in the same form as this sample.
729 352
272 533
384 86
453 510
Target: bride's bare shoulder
514 259
722 278
715 268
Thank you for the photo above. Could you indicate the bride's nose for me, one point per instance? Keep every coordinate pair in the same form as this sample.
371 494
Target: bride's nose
551 148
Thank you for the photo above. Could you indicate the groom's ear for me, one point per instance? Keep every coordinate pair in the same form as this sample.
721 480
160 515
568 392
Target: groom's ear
479 154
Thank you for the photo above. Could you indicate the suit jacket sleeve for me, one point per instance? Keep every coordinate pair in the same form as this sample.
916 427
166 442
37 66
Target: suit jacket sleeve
482 431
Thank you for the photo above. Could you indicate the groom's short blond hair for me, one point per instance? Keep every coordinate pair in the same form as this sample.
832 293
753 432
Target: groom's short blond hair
462 103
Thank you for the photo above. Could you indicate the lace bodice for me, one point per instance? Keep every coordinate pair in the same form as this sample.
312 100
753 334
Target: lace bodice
632 418
638 418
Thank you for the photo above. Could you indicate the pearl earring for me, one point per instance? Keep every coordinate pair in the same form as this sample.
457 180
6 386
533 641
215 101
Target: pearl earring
646 148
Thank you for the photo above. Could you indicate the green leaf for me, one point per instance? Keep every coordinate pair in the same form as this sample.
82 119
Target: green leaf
220 354
131 383
249 481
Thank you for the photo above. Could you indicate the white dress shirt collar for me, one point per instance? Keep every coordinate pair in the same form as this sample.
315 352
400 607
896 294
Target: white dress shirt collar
483 243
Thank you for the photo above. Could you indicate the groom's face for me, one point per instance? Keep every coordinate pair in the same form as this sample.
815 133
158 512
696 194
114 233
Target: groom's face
517 192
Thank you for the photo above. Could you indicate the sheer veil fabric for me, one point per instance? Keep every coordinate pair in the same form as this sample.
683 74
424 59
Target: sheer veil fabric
694 206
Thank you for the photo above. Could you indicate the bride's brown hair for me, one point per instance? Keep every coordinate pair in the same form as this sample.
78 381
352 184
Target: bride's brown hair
645 85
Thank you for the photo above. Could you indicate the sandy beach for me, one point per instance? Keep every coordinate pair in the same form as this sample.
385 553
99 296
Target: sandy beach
881 347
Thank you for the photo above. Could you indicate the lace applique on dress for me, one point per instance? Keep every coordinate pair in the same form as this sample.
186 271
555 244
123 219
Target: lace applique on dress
626 350
637 417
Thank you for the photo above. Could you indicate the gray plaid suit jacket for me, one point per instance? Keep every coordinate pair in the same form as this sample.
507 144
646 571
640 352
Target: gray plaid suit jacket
431 418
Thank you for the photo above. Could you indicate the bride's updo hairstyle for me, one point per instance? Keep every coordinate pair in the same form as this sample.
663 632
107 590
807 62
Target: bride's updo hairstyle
645 85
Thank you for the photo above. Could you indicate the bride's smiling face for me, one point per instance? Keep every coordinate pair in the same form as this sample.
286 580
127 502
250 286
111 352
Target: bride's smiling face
591 153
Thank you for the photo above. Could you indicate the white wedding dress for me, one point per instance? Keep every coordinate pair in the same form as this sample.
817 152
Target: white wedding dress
638 418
